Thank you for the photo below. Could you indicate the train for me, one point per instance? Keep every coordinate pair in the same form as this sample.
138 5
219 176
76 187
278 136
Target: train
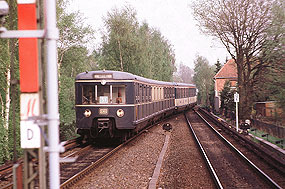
117 105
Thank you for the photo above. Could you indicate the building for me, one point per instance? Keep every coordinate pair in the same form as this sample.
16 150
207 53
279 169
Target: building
227 73
267 109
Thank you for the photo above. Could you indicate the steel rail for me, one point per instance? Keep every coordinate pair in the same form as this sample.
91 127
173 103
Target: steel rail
77 152
85 171
250 163
8 169
93 165
10 185
209 165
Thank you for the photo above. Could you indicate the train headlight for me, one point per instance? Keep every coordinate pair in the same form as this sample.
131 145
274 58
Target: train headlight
120 113
87 113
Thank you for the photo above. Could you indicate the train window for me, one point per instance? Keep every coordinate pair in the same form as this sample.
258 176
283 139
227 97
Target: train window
88 96
119 94
146 93
156 93
140 93
152 93
103 94
168 92
153 96
177 93
142 87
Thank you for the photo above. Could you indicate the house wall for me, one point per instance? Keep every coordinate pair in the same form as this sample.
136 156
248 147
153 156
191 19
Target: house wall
219 85
267 109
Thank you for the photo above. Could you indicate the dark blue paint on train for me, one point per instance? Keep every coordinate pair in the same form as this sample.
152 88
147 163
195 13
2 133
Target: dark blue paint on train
111 104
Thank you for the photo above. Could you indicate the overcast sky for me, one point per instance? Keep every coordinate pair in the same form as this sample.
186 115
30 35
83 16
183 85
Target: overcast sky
171 17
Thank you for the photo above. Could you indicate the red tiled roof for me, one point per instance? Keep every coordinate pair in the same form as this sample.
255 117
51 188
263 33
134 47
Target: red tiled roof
229 70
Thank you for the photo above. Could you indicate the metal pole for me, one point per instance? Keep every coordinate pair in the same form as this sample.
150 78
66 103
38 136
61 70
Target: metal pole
52 93
237 116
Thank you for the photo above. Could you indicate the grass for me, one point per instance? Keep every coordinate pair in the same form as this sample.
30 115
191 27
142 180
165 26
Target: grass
269 138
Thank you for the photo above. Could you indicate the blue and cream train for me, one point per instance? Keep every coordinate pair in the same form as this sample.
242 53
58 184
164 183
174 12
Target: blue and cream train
113 104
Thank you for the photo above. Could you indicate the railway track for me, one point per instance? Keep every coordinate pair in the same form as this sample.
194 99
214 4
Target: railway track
6 171
90 158
268 160
228 166
87 159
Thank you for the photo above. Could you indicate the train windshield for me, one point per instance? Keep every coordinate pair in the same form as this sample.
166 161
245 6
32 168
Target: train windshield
103 94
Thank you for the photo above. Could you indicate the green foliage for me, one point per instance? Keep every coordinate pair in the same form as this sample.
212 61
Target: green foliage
9 64
4 66
270 82
138 49
74 58
218 66
4 150
184 75
203 78
273 52
227 98
273 48
243 32
67 131
72 29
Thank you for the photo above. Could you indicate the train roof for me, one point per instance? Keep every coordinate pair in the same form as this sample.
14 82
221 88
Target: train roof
118 75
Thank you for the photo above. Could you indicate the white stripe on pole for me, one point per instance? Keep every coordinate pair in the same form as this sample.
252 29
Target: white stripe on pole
26 1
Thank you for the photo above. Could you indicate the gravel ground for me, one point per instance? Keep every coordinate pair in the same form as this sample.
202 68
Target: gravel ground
133 166
183 165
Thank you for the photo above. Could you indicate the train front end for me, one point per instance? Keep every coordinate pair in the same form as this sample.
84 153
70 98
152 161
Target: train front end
104 104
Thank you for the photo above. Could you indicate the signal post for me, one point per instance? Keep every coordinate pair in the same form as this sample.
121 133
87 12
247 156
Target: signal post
30 96
31 112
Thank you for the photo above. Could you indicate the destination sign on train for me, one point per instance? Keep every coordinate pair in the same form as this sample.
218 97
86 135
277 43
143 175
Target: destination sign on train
100 76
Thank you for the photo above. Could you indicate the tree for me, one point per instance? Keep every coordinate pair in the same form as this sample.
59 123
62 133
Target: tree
218 66
203 78
131 47
186 73
72 30
227 98
73 57
9 93
273 51
270 82
75 60
241 26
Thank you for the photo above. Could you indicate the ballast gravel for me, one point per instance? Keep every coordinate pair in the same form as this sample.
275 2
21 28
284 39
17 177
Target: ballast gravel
183 165
133 166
